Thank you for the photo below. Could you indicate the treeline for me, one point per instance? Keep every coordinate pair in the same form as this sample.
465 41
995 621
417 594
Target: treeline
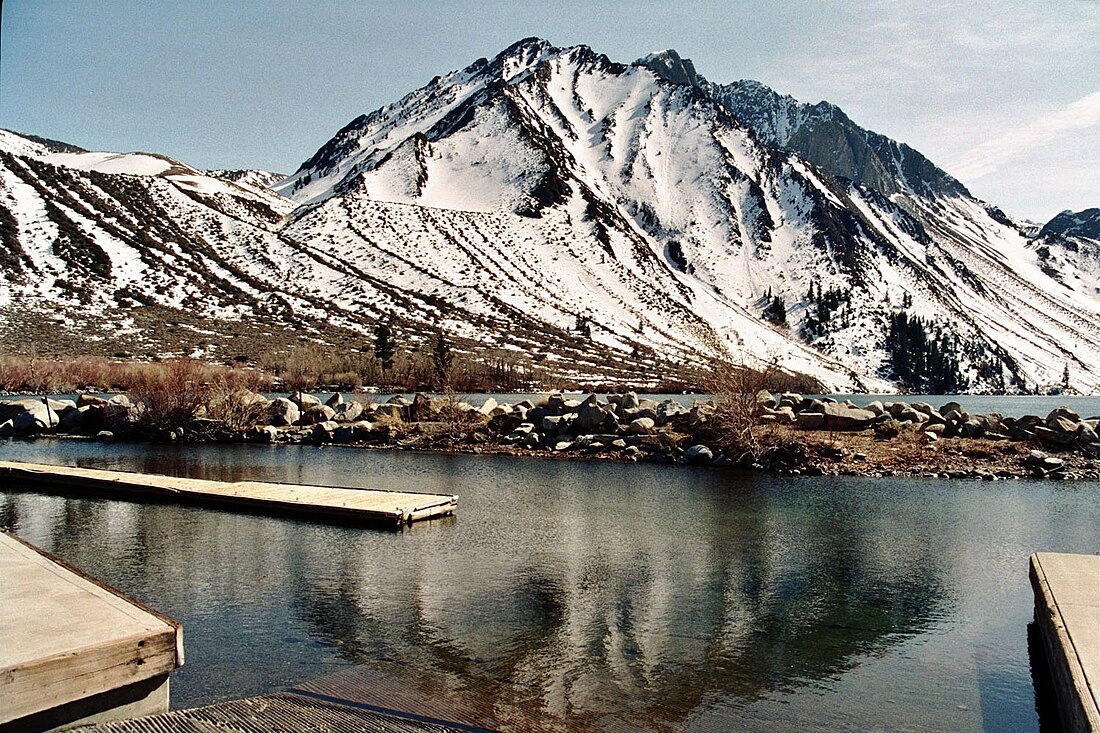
823 309
923 359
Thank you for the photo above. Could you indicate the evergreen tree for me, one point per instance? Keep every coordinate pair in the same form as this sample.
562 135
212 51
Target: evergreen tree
442 358
385 344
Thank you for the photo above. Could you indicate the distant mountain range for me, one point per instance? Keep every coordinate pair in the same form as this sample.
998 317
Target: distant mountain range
611 221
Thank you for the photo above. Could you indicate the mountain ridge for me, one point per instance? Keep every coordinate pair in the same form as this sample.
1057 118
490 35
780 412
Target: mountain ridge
553 200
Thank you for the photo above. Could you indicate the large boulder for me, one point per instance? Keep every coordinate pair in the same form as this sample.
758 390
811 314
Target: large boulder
642 426
421 408
1063 413
304 401
35 418
284 412
317 414
488 406
391 410
86 420
348 411
843 417
335 400
591 416
668 410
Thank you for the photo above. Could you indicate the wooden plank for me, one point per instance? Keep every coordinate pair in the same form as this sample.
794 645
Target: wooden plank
394 508
65 637
1067 610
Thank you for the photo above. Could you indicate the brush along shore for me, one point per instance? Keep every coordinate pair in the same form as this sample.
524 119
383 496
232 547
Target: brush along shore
786 432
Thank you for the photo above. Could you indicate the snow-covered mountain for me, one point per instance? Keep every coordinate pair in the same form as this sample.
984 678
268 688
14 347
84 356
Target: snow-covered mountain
554 202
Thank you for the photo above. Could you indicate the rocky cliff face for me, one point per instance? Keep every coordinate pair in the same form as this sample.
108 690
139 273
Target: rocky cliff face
553 202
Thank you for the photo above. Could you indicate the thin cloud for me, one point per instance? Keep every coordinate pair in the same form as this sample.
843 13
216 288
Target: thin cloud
991 155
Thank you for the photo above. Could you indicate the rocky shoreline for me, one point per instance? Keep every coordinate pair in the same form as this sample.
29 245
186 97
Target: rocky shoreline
786 433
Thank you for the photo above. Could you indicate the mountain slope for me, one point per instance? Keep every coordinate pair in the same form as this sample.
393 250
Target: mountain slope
611 218
693 197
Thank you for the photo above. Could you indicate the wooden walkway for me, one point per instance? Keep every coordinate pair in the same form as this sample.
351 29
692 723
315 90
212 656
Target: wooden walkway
1067 611
368 506
383 697
71 647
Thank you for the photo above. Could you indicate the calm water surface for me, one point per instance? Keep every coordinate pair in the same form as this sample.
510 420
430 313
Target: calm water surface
672 598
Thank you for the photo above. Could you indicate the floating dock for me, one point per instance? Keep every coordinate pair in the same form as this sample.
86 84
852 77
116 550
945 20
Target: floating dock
73 650
382 697
367 506
1067 611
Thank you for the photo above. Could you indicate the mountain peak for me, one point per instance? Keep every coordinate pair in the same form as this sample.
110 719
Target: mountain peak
671 67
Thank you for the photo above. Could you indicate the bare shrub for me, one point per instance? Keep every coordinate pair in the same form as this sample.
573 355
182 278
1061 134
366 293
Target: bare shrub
737 410
170 394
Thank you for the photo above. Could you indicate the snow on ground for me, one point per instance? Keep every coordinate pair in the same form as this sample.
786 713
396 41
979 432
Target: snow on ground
135 164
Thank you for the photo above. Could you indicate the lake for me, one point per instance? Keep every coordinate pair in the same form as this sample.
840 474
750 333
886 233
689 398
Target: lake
671 598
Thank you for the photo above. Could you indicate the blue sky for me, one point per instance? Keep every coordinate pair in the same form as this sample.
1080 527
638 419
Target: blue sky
1004 95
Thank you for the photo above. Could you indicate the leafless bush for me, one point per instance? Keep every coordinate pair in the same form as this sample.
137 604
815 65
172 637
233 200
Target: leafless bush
170 394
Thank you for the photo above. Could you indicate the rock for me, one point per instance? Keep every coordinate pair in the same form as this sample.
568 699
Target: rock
618 444
84 420
1054 437
421 408
304 401
556 424
764 398
521 433
642 426
972 428
488 406
842 417
323 431
336 399
562 445
629 401
391 410
909 414
36 417
792 400
591 416
84 400
1064 413
924 407
1086 434
952 406
399 400
7 429
930 437
1049 465
353 433
555 403
938 429
348 411
120 400
785 415
876 407
668 410
698 455
317 414
264 434
1062 424
283 412
811 420
105 435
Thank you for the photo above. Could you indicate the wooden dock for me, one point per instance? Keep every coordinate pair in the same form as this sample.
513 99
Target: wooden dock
1067 612
73 650
366 506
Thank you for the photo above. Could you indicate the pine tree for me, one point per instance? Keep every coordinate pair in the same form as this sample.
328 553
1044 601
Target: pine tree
442 358
385 344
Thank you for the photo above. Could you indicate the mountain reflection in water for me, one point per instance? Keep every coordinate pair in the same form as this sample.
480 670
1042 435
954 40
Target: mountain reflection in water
670 598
